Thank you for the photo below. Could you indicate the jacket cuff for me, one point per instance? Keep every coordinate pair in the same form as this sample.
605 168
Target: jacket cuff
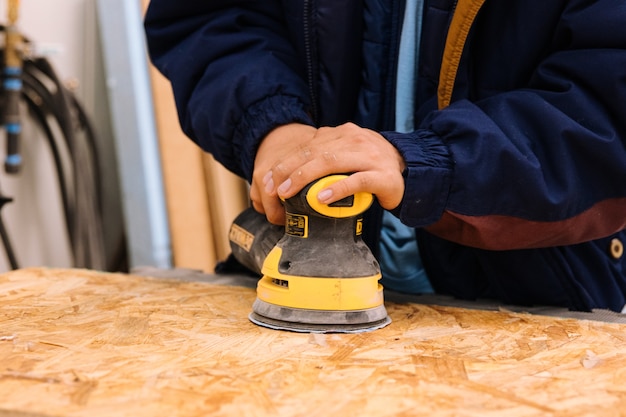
260 119
427 176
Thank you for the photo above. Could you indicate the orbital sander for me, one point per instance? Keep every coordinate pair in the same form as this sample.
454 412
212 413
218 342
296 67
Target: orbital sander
317 273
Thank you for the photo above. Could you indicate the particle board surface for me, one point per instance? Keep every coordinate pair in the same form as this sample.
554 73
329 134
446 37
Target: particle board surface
84 343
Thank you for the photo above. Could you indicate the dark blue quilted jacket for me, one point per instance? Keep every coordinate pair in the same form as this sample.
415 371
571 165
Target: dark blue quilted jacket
517 188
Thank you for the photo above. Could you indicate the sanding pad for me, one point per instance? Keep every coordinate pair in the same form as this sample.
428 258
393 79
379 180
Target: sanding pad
318 321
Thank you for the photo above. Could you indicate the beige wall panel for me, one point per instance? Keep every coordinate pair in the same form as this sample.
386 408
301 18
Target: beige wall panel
228 196
203 198
185 189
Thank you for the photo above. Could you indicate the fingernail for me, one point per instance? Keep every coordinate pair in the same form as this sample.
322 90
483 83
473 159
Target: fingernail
269 185
267 177
324 195
284 187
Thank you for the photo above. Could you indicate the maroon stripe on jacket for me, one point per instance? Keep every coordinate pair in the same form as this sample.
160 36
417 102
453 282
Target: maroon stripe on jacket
498 232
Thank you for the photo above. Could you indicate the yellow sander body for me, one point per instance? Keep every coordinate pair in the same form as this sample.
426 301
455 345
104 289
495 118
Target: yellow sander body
320 276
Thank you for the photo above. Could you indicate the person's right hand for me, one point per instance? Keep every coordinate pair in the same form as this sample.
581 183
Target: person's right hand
281 141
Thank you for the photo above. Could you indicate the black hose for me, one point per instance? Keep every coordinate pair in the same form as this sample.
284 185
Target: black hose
70 133
90 252
8 247
42 105
39 116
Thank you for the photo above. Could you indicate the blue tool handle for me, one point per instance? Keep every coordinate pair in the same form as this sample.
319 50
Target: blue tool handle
12 86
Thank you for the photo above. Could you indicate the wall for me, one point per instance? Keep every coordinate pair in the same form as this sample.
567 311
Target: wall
66 32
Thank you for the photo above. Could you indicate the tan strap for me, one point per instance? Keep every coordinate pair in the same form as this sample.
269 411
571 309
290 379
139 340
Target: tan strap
464 15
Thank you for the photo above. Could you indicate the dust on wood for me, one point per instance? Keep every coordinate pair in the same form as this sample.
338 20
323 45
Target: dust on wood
77 342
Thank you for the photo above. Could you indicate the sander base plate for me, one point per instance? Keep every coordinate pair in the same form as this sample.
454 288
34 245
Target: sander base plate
317 321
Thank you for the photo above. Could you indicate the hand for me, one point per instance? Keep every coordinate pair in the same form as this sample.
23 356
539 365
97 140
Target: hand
375 164
279 143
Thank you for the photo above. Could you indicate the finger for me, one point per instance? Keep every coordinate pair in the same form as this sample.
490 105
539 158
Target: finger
326 163
268 183
335 159
274 211
258 207
290 167
255 198
348 186
388 189
300 178
267 204
272 208
291 164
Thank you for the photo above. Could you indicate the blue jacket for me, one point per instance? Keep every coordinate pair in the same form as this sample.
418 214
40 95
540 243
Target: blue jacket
517 188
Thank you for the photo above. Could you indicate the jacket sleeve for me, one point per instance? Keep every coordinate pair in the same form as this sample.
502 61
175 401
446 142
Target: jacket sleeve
233 72
540 165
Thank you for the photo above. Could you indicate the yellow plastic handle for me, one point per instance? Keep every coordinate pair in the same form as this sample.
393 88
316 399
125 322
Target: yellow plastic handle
362 200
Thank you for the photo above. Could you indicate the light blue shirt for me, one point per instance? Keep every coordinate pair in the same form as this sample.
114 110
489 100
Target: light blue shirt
400 261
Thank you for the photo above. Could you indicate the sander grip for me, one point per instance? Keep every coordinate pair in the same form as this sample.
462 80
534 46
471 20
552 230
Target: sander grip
252 237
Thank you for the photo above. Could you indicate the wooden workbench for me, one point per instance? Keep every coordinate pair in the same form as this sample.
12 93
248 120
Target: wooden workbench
83 343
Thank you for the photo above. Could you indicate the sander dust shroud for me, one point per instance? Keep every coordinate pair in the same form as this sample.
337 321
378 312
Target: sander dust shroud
318 276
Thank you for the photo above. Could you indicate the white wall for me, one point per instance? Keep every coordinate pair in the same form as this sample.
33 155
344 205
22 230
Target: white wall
66 31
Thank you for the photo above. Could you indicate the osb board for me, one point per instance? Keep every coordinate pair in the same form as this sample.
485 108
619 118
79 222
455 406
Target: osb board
82 343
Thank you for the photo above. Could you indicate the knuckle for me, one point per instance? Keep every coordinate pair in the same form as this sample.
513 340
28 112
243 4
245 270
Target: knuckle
305 152
280 169
258 207
348 126
343 189
364 182
329 156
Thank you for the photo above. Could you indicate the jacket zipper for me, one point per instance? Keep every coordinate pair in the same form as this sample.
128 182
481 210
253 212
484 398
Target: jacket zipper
310 56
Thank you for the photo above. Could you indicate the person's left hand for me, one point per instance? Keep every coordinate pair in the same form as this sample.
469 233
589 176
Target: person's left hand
374 165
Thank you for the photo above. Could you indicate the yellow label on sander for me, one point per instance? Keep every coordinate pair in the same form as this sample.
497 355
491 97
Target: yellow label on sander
297 225
241 237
